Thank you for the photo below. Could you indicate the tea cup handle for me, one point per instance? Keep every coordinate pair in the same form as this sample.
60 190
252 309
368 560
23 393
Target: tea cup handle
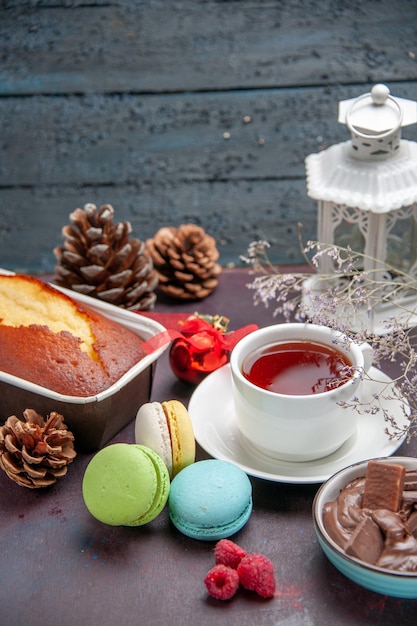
368 355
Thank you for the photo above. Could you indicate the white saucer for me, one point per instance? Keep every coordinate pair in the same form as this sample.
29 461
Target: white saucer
213 416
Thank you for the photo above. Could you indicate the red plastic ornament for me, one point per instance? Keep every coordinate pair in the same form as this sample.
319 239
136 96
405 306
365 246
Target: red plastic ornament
192 365
201 350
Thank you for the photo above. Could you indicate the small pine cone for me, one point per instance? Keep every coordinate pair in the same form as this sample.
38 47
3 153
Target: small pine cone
102 260
185 261
35 453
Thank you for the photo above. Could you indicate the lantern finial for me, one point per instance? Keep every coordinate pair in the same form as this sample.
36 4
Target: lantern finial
375 120
379 93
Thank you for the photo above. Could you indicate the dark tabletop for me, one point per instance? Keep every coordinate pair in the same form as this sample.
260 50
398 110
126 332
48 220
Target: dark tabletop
59 565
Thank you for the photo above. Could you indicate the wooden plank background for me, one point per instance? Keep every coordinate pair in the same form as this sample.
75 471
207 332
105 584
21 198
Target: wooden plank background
176 111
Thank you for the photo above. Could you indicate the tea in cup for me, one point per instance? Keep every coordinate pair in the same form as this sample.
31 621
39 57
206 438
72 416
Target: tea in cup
289 381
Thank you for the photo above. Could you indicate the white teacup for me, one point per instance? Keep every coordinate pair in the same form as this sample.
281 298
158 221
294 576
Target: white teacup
297 427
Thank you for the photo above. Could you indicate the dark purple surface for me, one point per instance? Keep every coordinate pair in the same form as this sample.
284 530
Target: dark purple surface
59 565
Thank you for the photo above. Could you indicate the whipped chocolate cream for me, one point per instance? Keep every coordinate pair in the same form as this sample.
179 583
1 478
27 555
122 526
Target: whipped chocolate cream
374 518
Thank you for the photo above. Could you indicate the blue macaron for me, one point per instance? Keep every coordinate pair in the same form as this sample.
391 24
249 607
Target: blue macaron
210 500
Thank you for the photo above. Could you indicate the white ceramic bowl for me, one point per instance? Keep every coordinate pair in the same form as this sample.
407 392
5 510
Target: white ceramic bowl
398 584
94 420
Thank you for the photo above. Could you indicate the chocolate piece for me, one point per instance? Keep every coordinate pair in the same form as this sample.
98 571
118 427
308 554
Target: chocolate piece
412 524
392 525
383 486
400 556
408 500
366 542
410 482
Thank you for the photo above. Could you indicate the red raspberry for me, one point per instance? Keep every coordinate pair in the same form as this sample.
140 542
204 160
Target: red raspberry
256 573
222 582
228 553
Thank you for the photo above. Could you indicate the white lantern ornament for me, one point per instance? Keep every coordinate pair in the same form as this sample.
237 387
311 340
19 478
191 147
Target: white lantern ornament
366 190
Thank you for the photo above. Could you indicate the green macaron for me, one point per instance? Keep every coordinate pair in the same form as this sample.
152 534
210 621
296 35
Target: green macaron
125 485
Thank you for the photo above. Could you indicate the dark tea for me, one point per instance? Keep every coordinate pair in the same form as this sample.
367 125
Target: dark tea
297 368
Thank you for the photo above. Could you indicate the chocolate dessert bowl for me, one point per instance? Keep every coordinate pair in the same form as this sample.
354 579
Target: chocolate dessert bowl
401 584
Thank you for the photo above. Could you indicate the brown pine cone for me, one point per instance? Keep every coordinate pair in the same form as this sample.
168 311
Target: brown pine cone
100 259
35 453
185 261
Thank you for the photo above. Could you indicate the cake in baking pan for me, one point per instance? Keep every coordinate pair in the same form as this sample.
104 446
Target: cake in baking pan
53 341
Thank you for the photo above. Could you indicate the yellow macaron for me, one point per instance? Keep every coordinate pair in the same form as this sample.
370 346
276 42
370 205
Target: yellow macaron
166 428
